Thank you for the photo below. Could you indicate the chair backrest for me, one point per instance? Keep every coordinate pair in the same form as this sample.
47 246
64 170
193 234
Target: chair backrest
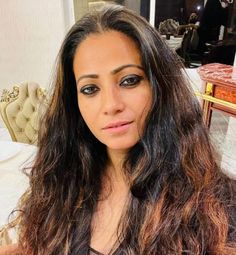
190 40
21 110
168 26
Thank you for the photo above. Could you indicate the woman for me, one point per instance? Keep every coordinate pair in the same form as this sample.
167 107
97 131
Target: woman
124 165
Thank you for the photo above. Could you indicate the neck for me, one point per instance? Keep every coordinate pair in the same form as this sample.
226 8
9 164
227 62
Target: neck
115 184
115 167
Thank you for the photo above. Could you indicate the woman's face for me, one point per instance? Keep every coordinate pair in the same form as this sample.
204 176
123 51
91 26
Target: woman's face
114 94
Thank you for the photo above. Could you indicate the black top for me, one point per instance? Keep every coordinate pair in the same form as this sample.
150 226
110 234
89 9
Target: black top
91 251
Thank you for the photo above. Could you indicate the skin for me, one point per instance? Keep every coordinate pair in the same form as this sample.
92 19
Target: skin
117 93
112 90
10 250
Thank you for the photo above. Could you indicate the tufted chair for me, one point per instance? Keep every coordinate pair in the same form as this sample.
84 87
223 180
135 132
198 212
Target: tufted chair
168 26
20 111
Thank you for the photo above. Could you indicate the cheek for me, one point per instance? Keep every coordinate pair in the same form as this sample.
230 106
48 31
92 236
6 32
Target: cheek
84 111
143 110
88 113
143 105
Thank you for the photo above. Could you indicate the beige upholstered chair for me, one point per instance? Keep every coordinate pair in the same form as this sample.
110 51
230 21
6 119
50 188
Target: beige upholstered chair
20 110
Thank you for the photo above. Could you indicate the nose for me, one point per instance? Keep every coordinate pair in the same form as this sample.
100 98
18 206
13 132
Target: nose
113 102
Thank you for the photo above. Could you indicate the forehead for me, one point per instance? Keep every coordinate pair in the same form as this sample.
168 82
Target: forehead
106 50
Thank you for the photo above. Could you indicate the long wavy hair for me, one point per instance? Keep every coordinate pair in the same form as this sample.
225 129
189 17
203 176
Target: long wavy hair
181 203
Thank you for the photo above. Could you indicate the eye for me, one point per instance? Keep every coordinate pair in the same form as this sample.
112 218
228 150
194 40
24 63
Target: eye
131 80
89 90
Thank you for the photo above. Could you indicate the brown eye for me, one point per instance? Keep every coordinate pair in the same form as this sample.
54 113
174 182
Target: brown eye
131 80
89 90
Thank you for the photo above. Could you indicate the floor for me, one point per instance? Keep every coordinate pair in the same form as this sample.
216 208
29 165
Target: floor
222 130
223 135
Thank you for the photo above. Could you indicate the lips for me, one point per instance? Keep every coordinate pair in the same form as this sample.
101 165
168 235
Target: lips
117 124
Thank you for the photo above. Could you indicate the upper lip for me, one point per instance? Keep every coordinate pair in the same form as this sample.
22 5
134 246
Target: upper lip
117 124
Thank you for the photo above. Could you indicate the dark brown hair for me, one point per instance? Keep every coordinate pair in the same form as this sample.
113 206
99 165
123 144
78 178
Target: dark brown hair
181 203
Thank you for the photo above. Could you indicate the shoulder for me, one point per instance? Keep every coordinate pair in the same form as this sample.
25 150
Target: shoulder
12 249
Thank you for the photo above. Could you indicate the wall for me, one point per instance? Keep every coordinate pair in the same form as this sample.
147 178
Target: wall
31 34
81 7
166 9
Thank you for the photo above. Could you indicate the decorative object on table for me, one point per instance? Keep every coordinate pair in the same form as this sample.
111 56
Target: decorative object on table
20 110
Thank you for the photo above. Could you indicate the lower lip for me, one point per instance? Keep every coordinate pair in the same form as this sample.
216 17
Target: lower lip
119 129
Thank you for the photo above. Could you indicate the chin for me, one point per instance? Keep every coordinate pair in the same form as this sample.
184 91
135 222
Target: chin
121 145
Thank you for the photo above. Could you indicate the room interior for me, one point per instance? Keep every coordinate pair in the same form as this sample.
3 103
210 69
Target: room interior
30 39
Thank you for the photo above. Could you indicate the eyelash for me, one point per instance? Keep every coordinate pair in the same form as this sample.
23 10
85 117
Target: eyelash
130 80
89 90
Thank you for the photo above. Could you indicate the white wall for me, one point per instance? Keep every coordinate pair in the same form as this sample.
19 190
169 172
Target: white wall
31 34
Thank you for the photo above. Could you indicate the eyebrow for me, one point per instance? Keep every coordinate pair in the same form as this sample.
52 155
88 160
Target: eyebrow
120 68
115 71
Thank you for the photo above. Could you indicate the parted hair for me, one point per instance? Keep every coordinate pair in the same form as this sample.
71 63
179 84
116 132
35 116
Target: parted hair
180 203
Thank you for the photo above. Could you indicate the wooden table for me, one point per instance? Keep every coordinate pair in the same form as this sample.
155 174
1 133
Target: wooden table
220 90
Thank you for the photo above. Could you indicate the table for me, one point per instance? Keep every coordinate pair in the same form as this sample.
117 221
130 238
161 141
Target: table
13 183
174 42
219 94
220 89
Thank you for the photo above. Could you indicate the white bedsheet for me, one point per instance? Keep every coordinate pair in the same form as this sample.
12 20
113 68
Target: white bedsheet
13 183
